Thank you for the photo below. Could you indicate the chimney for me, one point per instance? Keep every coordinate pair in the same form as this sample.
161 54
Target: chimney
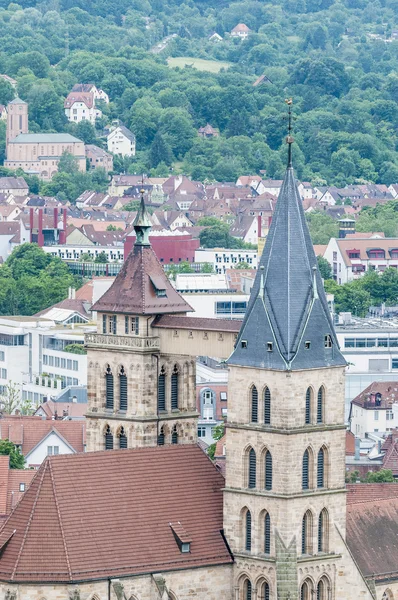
259 228
357 448
40 236
73 291
55 218
62 233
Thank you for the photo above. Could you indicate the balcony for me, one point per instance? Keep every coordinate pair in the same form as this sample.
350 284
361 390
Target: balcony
122 342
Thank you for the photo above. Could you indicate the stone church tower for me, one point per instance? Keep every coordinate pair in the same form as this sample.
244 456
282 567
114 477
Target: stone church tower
284 499
17 119
139 393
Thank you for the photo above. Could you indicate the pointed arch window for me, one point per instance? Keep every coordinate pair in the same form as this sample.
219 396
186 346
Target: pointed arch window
306 474
264 591
306 591
161 437
174 435
320 480
254 405
323 531
248 531
267 406
252 469
320 405
122 439
268 471
322 589
174 388
306 533
267 534
108 439
123 389
109 396
247 590
162 389
308 406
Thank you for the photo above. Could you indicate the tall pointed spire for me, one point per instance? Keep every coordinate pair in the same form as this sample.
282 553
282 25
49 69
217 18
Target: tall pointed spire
142 224
289 138
287 323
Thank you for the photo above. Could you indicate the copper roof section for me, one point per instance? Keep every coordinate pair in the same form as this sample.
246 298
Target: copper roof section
78 505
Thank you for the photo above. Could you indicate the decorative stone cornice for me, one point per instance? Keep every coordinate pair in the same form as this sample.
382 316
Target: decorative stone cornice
124 343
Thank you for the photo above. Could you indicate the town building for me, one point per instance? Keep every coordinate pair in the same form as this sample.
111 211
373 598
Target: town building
121 141
80 106
16 186
37 153
208 132
211 396
13 484
222 258
372 410
241 31
87 88
99 158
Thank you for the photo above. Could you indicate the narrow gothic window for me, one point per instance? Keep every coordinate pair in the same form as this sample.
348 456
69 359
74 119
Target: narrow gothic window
247 590
248 537
320 407
306 592
122 439
323 527
174 388
267 407
123 389
268 471
308 407
108 439
267 534
254 408
161 437
252 468
103 323
264 591
306 539
109 388
174 435
321 469
305 475
162 390
322 590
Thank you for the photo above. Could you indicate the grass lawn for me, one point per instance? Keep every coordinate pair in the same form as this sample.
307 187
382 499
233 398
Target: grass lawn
198 63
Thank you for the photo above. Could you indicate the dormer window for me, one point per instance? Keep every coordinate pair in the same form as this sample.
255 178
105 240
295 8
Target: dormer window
269 346
181 537
328 341
307 345
159 285
376 253
393 252
243 344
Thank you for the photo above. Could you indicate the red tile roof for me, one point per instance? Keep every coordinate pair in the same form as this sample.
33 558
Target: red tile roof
388 391
10 480
349 443
78 505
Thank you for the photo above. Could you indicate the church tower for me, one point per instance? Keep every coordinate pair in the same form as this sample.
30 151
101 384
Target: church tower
284 498
17 119
139 394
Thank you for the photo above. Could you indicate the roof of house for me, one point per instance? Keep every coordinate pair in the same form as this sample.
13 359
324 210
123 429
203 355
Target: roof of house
241 27
63 409
70 304
86 97
363 246
10 480
96 151
63 525
126 132
45 138
14 183
83 87
387 392
320 249
349 443
202 324
16 100
287 306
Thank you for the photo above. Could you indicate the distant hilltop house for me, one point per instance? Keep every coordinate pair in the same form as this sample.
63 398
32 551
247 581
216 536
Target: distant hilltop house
215 37
37 153
241 31
88 88
208 132
97 157
121 141
80 106
10 80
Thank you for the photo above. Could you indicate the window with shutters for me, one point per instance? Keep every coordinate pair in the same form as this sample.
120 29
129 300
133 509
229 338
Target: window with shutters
307 590
174 388
162 390
122 439
108 438
320 480
174 435
252 469
308 402
268 470
109 388
254 405
267 534
123 389
267 406
306 533
320 405
264 591
248 531
161 437
112 324
305 474
247 590
323 531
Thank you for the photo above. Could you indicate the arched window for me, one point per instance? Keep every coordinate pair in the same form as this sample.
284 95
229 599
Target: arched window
108 438
252 469
248 531
268 470
306 473
109 388
123 389
306 533
264 593
247 590
161 437
174 435
320 405
320 479
306 590
122 438
267 534
254 406
174 388
322 589
308 398
162 389
388 595
323 531
267 406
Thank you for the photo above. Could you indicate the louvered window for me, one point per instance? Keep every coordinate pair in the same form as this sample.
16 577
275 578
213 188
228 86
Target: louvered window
126 325
161 437
254 415
123 389
308 407
321 591
320 532
321 469
248 540
162 390
122 439
304 533
267 407
319 412
305 476
174 435
109 388
108 439
268 471
103 323
248 590
264 591
267 534
252 468
174 389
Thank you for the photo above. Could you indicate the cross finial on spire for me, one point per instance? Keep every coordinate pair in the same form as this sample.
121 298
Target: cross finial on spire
289 137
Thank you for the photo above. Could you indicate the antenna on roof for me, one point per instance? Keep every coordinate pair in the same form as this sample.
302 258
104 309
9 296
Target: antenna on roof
289 137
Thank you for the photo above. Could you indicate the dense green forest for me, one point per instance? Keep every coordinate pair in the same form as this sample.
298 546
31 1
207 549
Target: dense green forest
344 81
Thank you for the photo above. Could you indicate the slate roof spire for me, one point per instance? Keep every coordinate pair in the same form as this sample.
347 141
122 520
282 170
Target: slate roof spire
142 224
287 325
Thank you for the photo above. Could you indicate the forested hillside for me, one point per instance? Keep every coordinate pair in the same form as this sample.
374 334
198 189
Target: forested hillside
332 57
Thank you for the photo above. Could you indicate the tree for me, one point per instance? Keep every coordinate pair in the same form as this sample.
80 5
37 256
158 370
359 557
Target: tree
350 297
7 92
160 152
324 267
10 398
101 258
75 349
382 476
86 132
17 461
218 432
68 163
206 268
242 265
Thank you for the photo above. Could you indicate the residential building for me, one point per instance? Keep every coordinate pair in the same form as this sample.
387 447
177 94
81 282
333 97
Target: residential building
13 485
16 186
371 411
241 31
208 132
98 158
218 305
121 141
88 88
80 106
211 396
121 183
222 259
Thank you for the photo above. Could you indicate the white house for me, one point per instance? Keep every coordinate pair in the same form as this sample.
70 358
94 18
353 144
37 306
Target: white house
121 141
51 444
80 106
241 31
371 411
223 259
